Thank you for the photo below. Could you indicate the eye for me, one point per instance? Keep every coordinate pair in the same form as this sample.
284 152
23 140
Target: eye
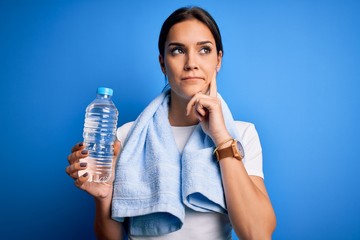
205 50
177 51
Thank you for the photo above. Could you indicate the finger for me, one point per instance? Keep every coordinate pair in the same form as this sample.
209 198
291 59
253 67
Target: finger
200 116
76 156
192 103
81 180
73 170
117 149
77 147
200 109
213 87
117 145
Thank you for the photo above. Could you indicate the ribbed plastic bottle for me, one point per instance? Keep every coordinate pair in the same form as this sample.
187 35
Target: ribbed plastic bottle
99 135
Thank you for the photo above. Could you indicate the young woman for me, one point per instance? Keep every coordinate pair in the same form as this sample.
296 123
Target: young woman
181 173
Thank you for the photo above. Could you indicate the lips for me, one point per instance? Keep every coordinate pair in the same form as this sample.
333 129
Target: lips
192 78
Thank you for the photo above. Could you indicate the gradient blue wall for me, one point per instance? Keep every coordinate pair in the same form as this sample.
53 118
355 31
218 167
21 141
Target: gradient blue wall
290 67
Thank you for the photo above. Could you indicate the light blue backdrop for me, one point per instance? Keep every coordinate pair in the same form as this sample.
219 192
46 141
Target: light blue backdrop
290 67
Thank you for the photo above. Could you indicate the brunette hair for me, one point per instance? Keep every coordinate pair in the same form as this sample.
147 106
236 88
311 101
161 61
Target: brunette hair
186 13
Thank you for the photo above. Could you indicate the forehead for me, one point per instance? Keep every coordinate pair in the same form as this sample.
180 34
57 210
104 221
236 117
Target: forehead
190 31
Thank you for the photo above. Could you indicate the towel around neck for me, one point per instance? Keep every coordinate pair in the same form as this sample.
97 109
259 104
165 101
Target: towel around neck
154 181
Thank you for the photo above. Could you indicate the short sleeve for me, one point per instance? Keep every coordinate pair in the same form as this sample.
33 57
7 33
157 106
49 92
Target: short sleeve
252 148
122 132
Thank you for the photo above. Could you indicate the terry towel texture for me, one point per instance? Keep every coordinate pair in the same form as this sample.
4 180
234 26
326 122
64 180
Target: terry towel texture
154 181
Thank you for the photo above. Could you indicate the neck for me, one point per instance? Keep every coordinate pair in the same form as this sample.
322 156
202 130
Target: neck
177 113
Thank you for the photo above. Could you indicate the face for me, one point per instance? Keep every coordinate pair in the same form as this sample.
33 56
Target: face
190 58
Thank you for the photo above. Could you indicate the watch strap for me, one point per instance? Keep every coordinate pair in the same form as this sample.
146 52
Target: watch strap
230 151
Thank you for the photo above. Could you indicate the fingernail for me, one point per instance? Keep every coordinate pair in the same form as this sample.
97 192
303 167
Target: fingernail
80 144
85 175
84 151
83 164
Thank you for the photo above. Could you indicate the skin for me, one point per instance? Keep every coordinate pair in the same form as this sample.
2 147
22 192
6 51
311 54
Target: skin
105 227
191 62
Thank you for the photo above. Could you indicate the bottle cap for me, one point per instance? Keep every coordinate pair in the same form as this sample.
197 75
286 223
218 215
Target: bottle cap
105 91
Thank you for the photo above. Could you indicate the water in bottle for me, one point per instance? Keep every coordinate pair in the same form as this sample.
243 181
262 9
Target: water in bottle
99 135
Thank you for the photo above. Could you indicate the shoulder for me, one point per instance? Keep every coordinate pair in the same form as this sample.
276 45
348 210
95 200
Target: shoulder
249 136
123 131
243 125
245 128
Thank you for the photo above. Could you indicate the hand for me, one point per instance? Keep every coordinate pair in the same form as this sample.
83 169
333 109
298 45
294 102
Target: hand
207 108
98 190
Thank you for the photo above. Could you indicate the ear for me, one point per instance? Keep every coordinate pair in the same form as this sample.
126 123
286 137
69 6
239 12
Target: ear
162 64
219 60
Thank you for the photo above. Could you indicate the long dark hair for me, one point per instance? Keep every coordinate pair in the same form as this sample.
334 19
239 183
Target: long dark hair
186 13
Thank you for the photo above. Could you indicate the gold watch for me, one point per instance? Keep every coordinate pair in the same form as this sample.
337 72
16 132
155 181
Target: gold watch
235 150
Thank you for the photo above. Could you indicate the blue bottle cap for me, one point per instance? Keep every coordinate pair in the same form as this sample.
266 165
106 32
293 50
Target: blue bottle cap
105 91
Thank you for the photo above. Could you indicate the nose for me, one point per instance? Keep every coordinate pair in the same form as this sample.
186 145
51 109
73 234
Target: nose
191 62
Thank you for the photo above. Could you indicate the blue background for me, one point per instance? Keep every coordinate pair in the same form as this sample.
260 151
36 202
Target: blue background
290 67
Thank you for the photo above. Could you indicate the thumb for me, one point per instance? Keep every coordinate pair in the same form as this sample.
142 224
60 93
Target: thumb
116 147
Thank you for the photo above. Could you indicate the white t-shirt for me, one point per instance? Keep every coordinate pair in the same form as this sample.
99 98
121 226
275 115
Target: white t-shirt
200 225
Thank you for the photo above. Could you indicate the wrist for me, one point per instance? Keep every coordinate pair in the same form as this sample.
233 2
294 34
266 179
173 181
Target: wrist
103 201
222 139
226 144
229 148
102 208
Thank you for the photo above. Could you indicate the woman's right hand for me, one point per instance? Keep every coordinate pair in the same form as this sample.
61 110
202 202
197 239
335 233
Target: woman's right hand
98 190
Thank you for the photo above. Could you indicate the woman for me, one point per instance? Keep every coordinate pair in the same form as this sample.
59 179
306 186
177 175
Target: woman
196 196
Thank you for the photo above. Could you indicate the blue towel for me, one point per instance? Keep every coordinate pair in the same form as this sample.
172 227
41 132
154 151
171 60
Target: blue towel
154 181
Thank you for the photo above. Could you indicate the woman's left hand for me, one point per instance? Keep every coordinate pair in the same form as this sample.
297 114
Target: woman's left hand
207 108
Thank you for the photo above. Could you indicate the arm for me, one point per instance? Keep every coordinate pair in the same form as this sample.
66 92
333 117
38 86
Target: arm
244 192
105 226
248 203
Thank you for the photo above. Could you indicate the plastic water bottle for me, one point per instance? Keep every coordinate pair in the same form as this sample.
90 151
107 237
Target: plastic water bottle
99 135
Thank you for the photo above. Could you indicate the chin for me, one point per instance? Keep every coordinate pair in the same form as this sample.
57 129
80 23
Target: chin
188 93
189 90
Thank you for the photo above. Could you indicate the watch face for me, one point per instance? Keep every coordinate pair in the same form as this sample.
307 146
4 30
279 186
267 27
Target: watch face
241 149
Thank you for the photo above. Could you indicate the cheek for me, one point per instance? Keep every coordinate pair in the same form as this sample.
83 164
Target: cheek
210 69
172 68
210 64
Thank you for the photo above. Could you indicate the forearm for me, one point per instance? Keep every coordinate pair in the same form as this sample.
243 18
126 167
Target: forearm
248 204
105 227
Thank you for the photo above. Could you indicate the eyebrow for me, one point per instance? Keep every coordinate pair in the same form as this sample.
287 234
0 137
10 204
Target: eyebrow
182 45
